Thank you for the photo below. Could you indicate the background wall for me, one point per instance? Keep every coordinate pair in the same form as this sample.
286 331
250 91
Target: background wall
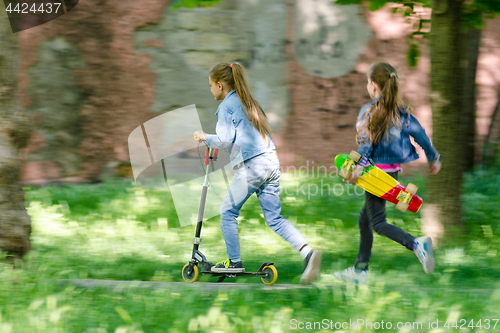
119 64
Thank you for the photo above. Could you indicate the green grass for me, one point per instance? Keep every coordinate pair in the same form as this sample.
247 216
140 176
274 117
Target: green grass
118 231
177 4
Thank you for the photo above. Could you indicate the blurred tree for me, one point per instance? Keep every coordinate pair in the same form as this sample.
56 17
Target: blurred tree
491 150
472 18
469 54
447 78
15 224
454 48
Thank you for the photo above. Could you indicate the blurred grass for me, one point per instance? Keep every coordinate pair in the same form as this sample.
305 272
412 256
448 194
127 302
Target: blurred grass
118 231
177 4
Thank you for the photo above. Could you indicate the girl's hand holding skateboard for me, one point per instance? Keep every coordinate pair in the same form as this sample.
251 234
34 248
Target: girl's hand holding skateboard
354 175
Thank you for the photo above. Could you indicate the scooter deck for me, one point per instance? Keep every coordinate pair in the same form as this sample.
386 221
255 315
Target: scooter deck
258 273
235 273
377 182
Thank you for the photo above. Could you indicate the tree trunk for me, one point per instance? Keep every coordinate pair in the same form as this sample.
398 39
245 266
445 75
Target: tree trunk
493 137
442 214
15 224
470 54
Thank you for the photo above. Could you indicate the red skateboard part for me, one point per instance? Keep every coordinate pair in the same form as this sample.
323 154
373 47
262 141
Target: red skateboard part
391 196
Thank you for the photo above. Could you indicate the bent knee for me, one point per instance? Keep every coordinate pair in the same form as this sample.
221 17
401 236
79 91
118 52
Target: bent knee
380 226
275 221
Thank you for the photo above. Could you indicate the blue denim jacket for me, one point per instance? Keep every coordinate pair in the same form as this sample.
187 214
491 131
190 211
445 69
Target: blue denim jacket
235 133
397 147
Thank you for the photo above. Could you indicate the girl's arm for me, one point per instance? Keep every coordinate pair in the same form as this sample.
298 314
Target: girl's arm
421 138
365 149
225 131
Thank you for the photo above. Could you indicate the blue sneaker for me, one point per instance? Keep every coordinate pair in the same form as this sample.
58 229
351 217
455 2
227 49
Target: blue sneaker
422 246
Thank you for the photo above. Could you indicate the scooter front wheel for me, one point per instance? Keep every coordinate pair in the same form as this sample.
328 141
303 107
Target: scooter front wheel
272 275
190 275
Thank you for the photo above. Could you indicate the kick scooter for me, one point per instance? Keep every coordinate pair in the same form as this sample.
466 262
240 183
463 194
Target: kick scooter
199 262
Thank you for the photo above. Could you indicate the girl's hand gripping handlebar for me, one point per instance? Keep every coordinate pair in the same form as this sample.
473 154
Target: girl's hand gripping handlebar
200 136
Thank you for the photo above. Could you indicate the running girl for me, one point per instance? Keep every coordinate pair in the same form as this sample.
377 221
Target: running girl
384 128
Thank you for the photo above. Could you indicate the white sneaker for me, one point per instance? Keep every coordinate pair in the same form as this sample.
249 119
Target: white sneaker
422 246
312 266
350 275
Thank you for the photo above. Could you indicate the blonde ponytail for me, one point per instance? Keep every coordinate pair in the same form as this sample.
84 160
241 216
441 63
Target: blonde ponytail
234 76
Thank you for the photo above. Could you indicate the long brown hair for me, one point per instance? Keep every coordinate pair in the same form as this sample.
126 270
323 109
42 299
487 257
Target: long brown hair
234 76
384 113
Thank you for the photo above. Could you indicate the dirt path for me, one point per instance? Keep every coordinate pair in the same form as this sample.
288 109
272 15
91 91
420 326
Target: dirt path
210 286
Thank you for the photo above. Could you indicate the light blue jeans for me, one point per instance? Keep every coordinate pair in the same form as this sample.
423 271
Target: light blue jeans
261 175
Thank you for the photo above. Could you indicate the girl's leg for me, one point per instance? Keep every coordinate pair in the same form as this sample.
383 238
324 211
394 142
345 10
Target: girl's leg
365 238
245 182
421 246
358 274
373 216
269 199
376 214
374 207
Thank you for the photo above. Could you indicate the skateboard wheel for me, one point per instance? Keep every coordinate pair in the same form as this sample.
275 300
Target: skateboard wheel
354 156
402 206
192 276
411 188
272 276
344 173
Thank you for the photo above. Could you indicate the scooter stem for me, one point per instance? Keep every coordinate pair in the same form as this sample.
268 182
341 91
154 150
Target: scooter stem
197 240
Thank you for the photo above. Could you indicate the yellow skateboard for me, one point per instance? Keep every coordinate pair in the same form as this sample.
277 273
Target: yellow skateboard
379 183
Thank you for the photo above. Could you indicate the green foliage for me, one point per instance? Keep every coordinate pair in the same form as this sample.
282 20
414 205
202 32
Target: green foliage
377 4
193 3
491 153
473 15
487 6
412 55
117 231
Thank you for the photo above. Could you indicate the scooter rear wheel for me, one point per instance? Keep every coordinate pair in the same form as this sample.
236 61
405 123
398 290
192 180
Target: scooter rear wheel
192 276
